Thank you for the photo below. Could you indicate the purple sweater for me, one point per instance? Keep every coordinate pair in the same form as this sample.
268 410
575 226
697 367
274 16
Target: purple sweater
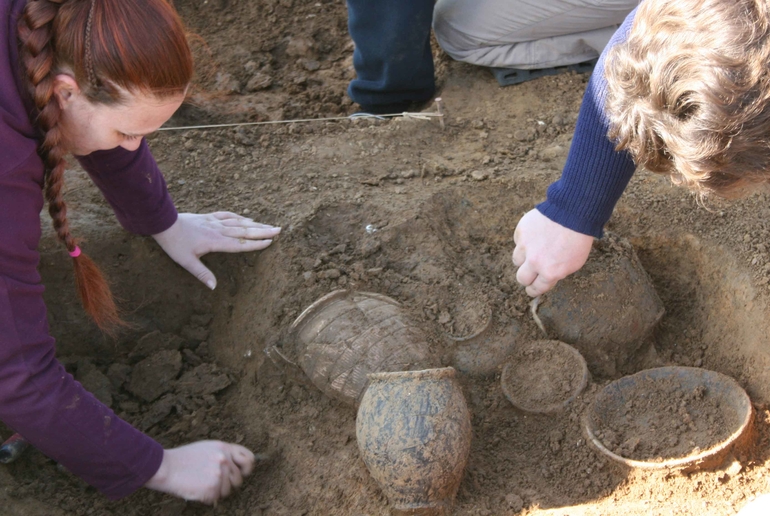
38 398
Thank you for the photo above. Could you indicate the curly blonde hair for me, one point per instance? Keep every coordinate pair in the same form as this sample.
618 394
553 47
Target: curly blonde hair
689 92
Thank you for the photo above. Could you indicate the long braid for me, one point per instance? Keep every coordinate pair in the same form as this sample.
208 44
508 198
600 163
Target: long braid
89 56
37 55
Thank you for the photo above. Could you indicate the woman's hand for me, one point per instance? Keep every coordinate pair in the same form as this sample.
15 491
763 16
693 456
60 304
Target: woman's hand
194 235
205 471
546 252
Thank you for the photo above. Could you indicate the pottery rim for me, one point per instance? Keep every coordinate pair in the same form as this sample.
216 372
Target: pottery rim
417 374
679 462
322 302
554 407
465 339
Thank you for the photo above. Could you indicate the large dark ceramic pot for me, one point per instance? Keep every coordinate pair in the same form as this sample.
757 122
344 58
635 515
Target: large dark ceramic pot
414 433
606 310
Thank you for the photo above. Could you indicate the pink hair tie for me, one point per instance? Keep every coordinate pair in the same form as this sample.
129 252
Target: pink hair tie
76 252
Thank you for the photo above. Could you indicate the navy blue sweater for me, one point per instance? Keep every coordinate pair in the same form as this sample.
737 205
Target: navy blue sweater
595 175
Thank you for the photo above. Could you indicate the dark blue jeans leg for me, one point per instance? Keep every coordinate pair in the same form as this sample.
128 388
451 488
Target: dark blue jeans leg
393 60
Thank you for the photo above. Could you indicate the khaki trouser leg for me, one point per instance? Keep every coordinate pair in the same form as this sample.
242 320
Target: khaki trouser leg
527 34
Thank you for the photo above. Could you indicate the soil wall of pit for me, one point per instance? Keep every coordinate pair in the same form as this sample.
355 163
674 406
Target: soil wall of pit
715 317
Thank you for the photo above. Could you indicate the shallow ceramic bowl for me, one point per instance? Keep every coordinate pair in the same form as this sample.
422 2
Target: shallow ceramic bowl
531 386
733 402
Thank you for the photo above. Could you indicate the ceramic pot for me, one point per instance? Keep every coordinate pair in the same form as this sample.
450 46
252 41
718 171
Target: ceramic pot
483 352
346 335
606 310
414 433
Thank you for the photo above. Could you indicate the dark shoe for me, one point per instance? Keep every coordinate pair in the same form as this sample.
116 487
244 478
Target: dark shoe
386 109
395 108
510 76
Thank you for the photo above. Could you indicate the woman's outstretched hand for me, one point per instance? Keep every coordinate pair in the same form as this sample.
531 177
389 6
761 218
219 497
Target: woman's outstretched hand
194 235
205 471
547 252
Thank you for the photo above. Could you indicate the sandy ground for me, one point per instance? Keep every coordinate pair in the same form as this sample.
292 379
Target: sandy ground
441 207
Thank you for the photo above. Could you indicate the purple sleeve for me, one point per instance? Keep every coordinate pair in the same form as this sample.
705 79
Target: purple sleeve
134 186
38 398
595 175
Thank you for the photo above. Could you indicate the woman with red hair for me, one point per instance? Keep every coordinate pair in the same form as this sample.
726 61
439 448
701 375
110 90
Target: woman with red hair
92 78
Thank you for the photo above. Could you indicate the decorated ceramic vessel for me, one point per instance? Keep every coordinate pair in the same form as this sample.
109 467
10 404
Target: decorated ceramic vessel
346 335
414 433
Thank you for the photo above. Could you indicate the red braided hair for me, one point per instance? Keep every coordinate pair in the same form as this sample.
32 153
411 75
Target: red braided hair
110 46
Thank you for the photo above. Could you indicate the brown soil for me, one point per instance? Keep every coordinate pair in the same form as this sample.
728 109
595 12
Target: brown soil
441 207
543 376
660 420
